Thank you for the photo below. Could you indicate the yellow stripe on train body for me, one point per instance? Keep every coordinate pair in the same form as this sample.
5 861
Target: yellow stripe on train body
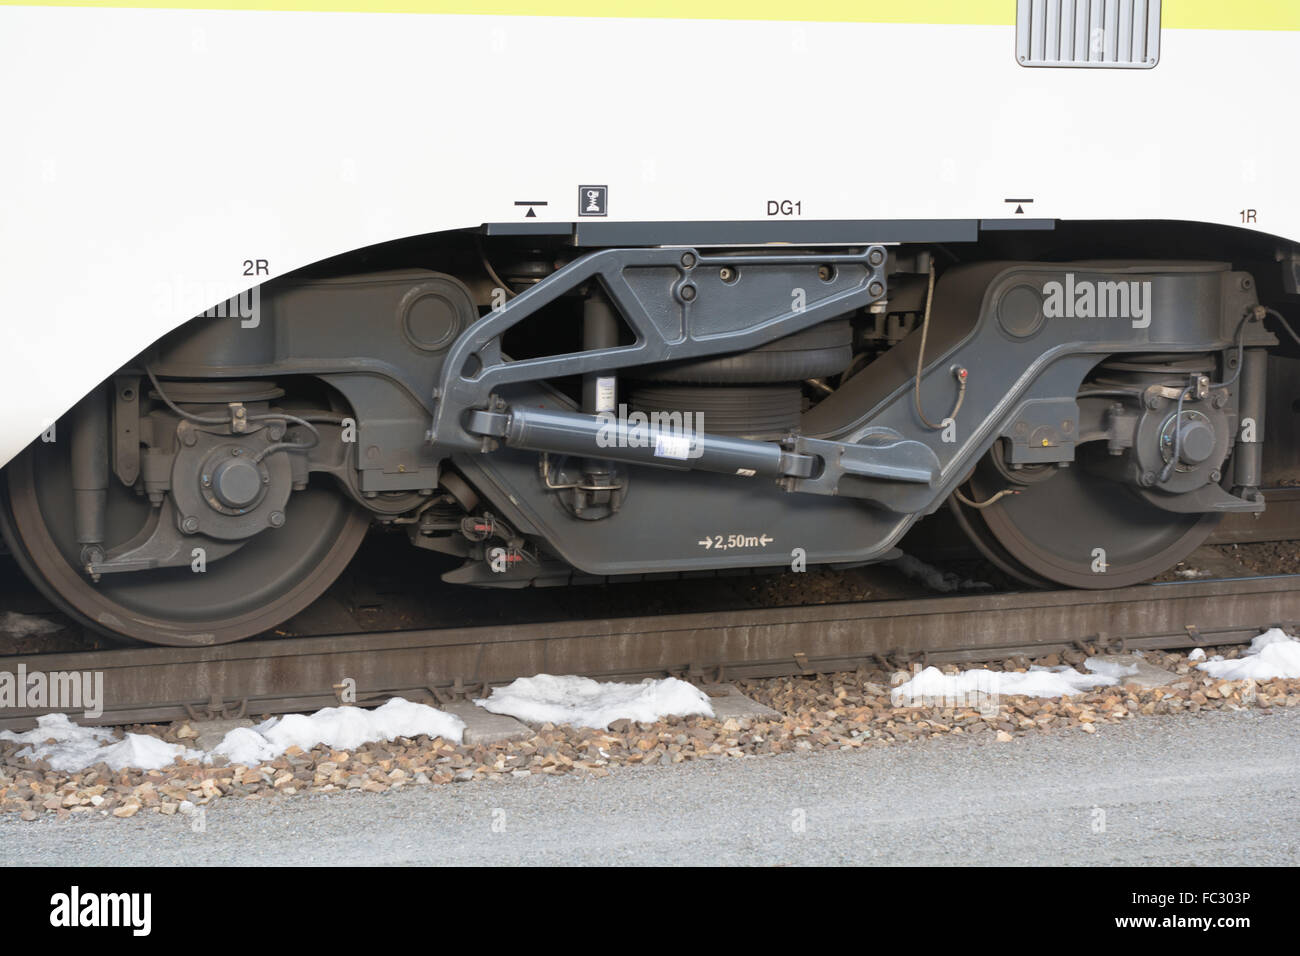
1176 14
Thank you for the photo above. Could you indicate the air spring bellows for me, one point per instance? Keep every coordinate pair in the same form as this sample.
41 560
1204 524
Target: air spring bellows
743 411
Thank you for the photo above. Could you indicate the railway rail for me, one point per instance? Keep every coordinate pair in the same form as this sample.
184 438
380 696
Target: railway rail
158 684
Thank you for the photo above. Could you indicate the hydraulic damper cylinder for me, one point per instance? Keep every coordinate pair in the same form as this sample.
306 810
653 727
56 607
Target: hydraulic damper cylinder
1249 455
90 473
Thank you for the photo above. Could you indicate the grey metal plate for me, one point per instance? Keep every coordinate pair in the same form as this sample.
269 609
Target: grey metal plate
786 231
1116 34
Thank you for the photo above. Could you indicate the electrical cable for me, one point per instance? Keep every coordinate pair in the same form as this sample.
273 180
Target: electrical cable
1285 324
492 273
263 416
987 501
959 373
188 416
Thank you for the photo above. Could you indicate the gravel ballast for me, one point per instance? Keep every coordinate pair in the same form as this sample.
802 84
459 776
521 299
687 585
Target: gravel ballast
832 712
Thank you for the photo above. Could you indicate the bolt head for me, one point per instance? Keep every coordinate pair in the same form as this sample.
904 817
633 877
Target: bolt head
276 518
190 524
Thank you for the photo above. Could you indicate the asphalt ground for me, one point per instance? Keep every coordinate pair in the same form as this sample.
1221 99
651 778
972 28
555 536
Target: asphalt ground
1218 788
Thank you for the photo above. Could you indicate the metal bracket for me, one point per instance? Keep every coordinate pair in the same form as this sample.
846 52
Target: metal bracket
1206 498
459 690
217 709
680 305
126 428
160 544
901 472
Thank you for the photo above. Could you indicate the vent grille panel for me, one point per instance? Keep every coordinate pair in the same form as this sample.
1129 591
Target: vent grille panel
1119 34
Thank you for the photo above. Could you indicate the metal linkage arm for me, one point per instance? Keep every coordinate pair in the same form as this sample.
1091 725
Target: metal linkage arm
900 472
678 303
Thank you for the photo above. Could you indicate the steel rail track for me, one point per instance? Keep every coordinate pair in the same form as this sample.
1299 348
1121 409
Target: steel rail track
159 684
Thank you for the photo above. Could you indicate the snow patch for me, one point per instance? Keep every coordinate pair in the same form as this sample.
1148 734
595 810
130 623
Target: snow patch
934 578
1197 655
1058 681
245 745
583 702
1272 654
69 747
26 625
1110 668
342 728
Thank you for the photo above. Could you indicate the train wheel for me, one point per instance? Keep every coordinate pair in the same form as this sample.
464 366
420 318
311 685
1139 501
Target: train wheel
272 577
970 522
1068 527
